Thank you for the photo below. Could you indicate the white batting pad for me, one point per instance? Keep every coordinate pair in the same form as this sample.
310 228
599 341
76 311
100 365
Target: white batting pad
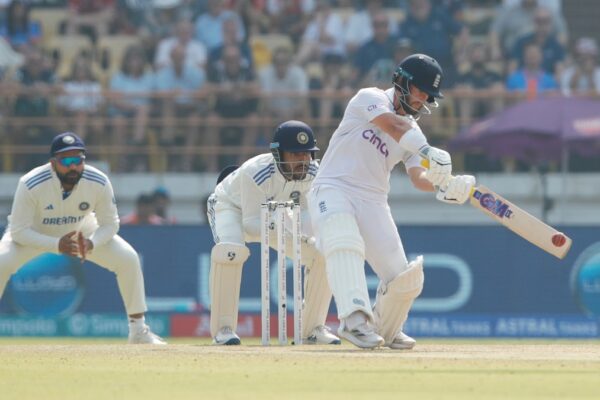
344 251
394 300
227 260
317 295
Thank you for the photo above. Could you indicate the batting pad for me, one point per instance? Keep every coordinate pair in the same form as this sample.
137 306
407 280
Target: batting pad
227 260
395 298
344 251
317 296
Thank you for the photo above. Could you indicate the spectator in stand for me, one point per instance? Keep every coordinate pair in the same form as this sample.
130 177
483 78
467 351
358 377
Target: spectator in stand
515 21
18 29
285 86
553 52
289 17
90 17
531 78
195 52
435 33
583 76
236 93
82 99
324 34
144 213
254 17
379 74
130 16
159 22
479 90
209 25
162 202
183 82
131 89
360 27
380 47
37 83
335 91
231 37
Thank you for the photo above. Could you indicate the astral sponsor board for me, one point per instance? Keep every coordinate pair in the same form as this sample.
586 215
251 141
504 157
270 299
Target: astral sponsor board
530 326
467 326
79 325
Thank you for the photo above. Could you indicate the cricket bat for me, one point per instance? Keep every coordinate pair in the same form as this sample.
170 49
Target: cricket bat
518 220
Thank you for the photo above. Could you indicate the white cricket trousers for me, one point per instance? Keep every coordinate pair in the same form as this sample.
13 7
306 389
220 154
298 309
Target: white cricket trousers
116 255
383 247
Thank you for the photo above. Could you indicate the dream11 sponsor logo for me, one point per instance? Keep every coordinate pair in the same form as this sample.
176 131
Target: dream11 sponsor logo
585 280
493 205
376 141
49 285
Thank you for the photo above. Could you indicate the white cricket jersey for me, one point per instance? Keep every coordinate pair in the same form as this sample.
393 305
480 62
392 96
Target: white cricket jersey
360 156
256 181
40 216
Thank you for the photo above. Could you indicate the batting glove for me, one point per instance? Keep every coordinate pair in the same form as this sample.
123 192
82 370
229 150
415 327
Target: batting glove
458 189
439 171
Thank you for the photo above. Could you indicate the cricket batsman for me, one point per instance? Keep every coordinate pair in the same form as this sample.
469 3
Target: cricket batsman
349 209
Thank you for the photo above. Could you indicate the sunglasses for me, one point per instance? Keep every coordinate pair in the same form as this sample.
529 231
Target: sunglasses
68 161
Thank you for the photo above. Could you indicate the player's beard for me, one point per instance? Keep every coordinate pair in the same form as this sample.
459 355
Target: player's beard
296 172
70 178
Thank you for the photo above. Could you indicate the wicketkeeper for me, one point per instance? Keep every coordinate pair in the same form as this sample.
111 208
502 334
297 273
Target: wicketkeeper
234 215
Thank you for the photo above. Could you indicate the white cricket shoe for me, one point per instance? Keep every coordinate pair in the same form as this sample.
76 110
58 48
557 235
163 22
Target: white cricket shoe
226 336
145 336
363 336
402 342
321 335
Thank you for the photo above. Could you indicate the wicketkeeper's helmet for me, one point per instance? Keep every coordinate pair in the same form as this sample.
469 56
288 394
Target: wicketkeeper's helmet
293 137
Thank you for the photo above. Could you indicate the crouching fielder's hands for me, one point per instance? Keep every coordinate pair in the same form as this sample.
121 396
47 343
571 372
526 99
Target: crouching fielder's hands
439 166
458 189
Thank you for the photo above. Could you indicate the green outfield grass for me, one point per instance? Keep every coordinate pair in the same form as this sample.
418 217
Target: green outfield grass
66 368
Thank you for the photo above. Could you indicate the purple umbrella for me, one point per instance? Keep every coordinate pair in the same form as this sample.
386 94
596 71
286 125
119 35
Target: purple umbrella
536 130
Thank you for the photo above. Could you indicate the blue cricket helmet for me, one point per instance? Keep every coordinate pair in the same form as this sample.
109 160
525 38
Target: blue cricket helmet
294 137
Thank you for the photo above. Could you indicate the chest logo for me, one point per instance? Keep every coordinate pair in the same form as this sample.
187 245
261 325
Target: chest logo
49 207
84 205
295 196
376 141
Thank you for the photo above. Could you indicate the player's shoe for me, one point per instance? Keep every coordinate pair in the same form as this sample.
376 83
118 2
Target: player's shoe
145 336
402 342
321 335
227 337
363 336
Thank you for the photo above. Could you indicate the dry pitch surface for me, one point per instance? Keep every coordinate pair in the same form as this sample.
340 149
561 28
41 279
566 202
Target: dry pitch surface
192 369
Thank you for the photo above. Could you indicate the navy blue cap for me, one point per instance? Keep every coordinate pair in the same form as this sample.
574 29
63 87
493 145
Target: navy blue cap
66 141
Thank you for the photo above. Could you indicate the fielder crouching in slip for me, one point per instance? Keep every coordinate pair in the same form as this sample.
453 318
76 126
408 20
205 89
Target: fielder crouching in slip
68 207
349 208
234 216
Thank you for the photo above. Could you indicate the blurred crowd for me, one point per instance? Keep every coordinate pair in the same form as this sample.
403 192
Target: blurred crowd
198 76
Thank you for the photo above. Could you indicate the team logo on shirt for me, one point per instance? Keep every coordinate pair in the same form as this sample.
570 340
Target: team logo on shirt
295 196
84 206
302 137
376 141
